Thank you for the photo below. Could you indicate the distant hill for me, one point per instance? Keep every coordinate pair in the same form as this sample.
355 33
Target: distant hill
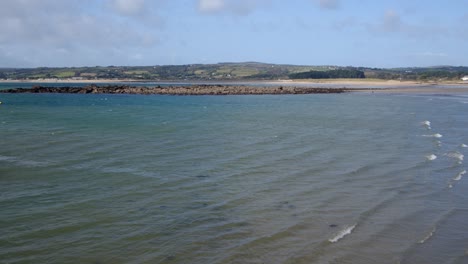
231 71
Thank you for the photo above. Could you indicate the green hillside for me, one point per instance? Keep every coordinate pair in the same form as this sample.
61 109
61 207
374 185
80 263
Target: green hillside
232 71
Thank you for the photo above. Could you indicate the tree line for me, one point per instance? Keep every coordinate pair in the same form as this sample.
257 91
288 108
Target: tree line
331 74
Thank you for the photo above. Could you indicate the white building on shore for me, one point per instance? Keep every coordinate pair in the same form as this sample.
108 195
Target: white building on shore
465 78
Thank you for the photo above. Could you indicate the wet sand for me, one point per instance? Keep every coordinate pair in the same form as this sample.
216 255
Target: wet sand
416 90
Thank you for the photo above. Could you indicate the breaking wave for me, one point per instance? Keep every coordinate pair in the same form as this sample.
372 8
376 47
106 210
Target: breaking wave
422 241
436 135
456 155
342 233
459 176
426 124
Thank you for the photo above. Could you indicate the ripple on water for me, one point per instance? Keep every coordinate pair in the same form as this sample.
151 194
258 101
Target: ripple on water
274 179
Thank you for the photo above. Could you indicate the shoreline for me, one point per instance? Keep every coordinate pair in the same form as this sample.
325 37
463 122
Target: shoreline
344 82
178 90
415 90
236 89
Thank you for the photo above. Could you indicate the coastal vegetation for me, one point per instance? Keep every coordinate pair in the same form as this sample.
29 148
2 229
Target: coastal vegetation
333 74
232 71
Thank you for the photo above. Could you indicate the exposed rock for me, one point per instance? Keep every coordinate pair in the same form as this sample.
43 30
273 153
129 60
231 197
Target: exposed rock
178 90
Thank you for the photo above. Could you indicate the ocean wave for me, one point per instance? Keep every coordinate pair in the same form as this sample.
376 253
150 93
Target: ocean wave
6 158
456 155
426 124
346 231
431 157
464 146
436 135
459 176
422 241
456 178
26 163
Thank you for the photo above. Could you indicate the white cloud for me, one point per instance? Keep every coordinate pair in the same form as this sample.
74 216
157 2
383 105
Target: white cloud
8 58
49 32
393 23
128 7
145 12
328 4
209 6
236 7
52 22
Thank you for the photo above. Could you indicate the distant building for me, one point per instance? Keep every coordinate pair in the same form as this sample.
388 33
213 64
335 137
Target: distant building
465 78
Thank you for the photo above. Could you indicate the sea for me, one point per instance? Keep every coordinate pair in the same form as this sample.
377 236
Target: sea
320 178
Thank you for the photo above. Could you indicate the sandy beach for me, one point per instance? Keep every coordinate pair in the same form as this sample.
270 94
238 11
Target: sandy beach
375 82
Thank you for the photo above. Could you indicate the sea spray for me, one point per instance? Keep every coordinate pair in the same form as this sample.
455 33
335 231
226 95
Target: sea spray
431 157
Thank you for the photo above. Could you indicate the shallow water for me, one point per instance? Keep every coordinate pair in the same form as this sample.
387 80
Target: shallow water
340 178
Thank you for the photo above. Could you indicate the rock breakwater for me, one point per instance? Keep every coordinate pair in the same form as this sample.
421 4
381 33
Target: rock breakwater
178 90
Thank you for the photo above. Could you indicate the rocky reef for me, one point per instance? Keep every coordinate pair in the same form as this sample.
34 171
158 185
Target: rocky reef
179 90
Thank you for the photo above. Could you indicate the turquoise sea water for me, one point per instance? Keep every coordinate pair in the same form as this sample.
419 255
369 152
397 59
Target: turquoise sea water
339 178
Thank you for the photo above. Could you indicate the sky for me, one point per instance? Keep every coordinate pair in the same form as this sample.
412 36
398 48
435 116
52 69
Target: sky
370 33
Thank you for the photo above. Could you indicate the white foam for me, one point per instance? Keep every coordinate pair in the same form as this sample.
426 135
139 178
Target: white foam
428 236
436 135
431 157
427 124
464 146
342 234
456 155
459 176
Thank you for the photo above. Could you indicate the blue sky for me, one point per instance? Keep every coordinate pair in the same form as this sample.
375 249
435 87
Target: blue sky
368 33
